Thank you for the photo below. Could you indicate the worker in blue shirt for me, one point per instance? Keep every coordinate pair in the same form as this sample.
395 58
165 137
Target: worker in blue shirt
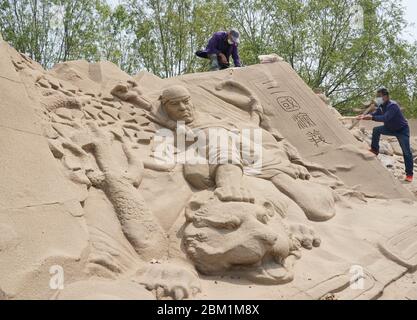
395 125
220 47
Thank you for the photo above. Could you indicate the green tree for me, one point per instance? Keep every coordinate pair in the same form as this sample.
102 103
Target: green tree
167 33
27 24
51 31
323 42
115 37
79 30
321 39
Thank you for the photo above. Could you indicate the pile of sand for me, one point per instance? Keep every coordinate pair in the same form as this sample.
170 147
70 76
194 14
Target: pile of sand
87 210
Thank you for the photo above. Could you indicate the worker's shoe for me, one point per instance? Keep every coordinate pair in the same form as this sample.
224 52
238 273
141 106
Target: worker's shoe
409 179
374 152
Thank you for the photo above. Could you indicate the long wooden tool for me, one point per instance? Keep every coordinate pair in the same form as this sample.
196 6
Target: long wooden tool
356 122
348 118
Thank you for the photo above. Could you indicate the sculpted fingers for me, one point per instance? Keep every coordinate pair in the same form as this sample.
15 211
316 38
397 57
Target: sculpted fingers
247 195
316 239
304 236
307 242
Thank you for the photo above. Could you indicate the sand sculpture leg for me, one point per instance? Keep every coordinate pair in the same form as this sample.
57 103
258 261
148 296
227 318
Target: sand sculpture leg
138 223
317 201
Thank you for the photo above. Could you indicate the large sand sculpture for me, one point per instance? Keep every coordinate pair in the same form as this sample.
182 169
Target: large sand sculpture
89 211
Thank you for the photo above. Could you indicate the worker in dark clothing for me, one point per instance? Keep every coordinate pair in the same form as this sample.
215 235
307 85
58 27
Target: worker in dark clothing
221 46
395 125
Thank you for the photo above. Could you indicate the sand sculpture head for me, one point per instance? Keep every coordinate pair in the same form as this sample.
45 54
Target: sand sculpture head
176 102
225 236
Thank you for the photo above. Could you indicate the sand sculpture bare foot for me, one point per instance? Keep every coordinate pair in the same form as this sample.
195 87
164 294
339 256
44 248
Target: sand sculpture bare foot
228 184
317 201
245 238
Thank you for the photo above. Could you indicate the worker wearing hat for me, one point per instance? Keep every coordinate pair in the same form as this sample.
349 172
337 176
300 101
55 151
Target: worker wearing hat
220 47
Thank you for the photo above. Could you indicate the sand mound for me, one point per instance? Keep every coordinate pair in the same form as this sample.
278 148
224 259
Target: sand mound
91 207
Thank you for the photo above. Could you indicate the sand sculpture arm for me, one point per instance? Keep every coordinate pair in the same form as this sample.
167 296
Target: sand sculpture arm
229 91
130 93
174 278
137 221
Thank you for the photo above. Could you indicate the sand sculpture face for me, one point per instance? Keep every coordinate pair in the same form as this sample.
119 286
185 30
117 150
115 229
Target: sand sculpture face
222 236
176 101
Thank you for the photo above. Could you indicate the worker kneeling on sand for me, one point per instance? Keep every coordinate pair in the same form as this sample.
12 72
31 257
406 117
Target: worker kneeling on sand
220 47
395 125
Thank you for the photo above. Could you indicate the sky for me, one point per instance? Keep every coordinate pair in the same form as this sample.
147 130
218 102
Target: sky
410 15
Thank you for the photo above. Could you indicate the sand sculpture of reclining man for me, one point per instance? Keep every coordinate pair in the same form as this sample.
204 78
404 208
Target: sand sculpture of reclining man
259 245
291 178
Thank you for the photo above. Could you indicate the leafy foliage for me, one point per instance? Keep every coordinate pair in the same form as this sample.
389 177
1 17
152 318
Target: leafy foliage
320 39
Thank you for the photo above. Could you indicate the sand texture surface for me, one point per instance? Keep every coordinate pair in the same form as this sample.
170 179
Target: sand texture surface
93 205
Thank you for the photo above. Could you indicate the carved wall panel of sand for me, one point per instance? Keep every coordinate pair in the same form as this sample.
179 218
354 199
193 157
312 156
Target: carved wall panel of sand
96 204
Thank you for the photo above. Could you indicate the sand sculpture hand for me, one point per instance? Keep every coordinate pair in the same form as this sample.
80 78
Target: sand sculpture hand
301 172
171 280
296 171
304 237
101 148
131 93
